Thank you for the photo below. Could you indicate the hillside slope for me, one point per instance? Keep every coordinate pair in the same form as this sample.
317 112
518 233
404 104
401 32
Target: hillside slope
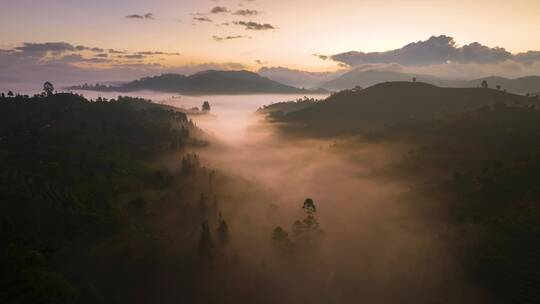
390 103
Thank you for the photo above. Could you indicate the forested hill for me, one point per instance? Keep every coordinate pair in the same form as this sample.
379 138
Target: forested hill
206 82
72 174
350 111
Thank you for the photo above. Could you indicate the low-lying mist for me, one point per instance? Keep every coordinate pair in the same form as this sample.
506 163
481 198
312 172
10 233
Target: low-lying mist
380 244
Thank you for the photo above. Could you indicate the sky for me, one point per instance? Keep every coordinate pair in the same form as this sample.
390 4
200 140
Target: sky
252 34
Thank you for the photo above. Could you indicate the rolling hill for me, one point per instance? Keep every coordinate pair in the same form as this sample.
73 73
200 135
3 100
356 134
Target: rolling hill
366 78
390 103
206 82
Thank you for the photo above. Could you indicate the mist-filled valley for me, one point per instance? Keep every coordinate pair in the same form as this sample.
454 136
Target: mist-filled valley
398 193
269 151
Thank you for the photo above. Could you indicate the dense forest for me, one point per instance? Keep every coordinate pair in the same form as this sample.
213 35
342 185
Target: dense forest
474 151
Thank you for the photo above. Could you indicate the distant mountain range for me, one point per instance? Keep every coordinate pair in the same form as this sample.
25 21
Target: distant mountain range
389 103
206 82
365 78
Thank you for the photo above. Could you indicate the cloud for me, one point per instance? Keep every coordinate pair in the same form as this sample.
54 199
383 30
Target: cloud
528 57
202 19
246 12
42 49
26 67
254 26
221 38
322 57
219 10
133 56
113 51
147 16
149 53
436 50
260 62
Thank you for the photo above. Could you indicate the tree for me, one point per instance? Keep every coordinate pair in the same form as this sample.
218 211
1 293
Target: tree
281 241
206 106
48 88
223 236
309 206
206 244
414 79
3 95
10 94
484 84
308 231
498 87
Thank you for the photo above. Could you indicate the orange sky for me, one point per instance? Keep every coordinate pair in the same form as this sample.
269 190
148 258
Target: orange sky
303 27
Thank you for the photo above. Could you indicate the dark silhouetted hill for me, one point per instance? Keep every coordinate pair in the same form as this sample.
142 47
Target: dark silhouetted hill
390 103
206 82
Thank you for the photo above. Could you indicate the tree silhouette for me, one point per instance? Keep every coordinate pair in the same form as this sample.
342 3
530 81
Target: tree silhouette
281 241
3 95
484 84
48 88
414 79
10 94
309 206
498 87
206 106
206 243
223 236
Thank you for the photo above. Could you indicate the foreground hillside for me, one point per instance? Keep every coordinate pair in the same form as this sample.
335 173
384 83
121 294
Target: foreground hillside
352 111
206 82
101 202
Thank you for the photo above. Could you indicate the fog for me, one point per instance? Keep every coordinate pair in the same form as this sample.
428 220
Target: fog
381 244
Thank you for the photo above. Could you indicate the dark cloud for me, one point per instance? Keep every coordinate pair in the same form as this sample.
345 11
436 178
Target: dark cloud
113 51
436 50
529 57
219 10
221 38
103 55
246 12
322 57
202 19
150 53
147 16
254 26
41 49
260 62
133 56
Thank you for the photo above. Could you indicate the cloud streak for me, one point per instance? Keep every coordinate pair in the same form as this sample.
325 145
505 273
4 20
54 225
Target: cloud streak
254 26
147 16
202 19
221 38
246 12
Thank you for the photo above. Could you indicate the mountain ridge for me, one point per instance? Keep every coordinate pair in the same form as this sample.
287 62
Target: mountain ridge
204 82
